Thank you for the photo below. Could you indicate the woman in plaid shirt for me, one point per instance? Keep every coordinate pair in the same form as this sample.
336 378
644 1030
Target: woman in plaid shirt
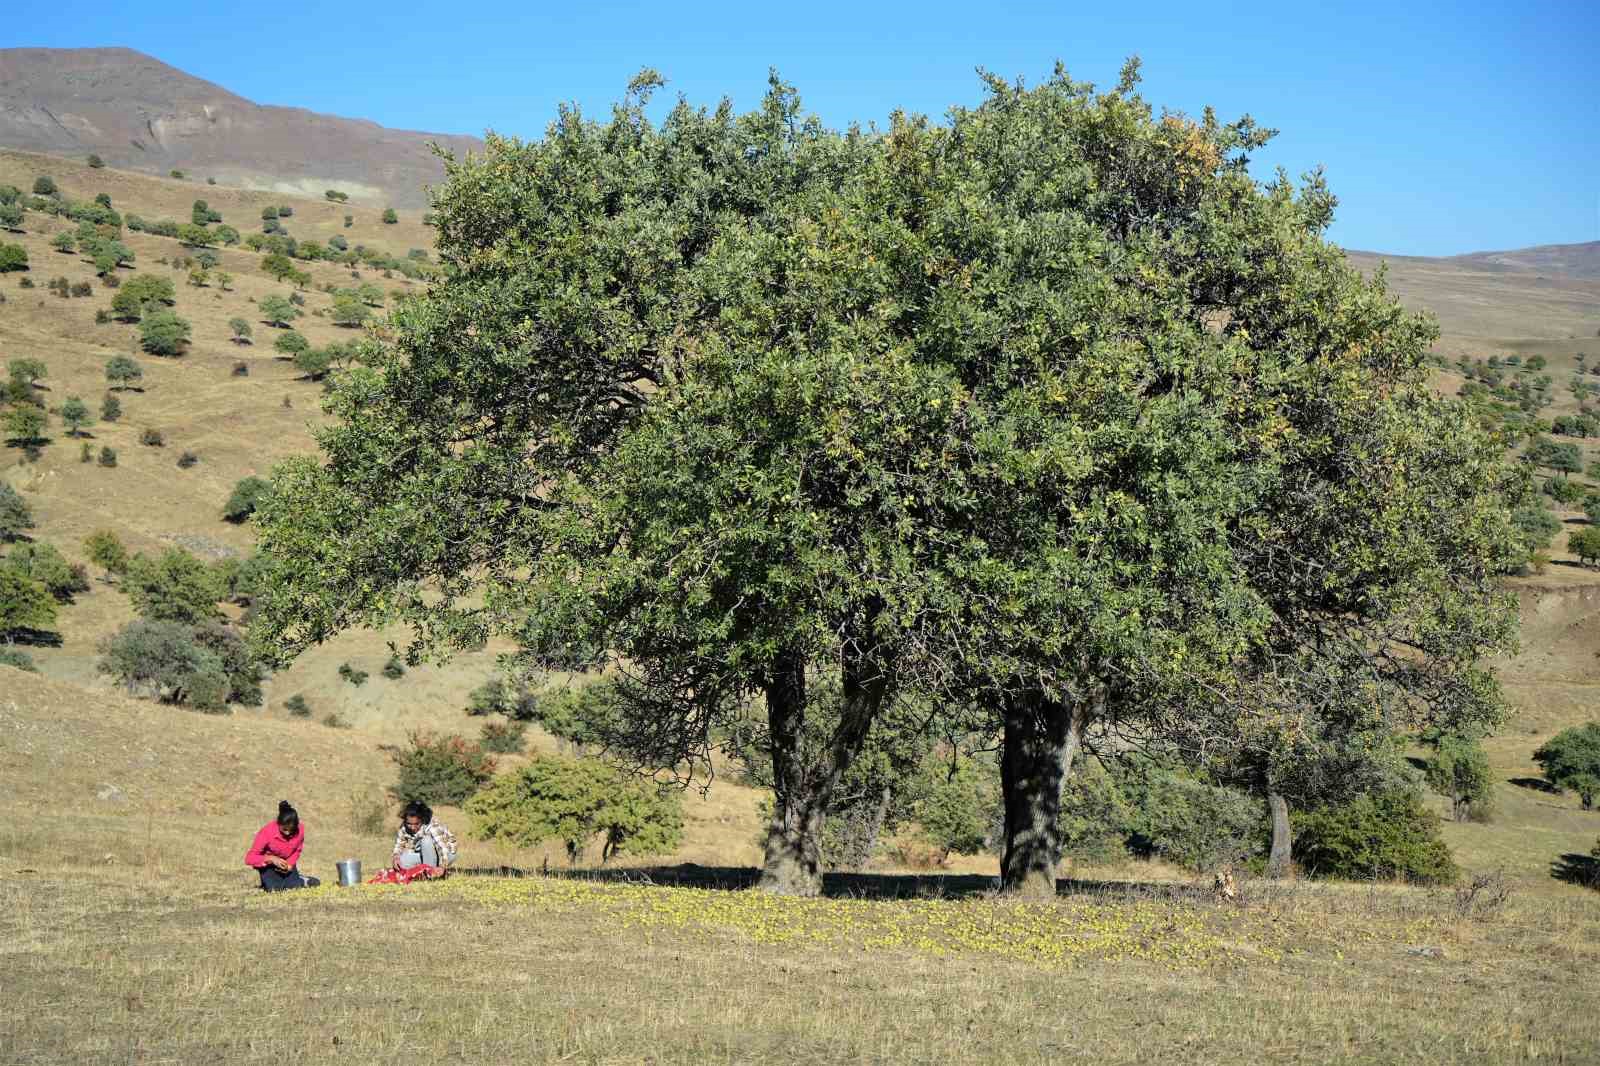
422 841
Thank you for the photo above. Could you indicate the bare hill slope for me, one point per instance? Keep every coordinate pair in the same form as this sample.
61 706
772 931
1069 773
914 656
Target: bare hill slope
137 112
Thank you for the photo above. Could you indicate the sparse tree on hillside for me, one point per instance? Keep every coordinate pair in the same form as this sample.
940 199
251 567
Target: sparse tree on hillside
269 213
63 242
314 363
11 218
290 344
1571 760
44 564
246 497
241 330
278 311
110 408
389 216
13 257
126 306
123 372
105 550
164 333
25 425
24 603
45 186
194 236
277 265
1585 544
1459 770
75 416
224 281
95 162
25 375
16 517
176 587
349 311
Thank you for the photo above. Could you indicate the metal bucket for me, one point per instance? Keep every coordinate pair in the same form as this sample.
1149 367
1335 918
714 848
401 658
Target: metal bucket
349 872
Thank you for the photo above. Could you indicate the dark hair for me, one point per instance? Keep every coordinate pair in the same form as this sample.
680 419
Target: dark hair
420 809
288 817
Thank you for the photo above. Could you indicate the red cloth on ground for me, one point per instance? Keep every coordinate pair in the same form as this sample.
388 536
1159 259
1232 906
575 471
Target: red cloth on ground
423 872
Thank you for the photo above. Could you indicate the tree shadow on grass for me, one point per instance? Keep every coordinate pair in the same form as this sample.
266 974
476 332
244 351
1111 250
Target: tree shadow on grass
1538 784
33 638
840 885
1575 869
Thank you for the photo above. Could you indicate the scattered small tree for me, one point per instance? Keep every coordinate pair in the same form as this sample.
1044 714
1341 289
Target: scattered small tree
13 257
105 550
164 333
278 311
108 456
1585 544
390 217
248 494
61 242
152 438
16 517
440 769
1387 836
290 344
575 800
25 604
297 706
123 372
44 564
44 185
95 162
1459 770
241 330
1571 760
110 408
176 587
75 416
25 425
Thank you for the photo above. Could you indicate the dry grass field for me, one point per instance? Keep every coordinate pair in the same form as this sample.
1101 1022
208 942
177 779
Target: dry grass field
130 931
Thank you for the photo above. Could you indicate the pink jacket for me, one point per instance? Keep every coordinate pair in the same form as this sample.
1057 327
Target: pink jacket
269 841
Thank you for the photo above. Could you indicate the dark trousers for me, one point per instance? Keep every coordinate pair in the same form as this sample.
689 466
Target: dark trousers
274 881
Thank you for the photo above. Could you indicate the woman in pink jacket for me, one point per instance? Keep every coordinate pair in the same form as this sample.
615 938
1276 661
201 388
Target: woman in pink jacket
275 852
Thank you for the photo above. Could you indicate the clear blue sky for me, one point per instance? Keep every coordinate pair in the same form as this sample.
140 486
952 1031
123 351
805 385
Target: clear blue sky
1444 128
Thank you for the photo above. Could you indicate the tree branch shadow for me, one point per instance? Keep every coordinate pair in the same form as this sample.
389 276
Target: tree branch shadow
1575 869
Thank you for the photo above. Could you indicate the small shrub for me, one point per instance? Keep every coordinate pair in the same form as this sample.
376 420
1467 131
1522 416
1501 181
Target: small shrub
440 769
354 676
504 738
152 438
110 408
105 550
297 706
187 459
1385 836
108 456
394 669
334 720
101 316
575 800
390 217
82 288
86 453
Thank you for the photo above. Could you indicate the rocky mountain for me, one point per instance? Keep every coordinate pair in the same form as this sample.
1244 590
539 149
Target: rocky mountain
138 113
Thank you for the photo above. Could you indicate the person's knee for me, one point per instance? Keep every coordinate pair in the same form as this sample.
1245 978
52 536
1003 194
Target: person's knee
408 859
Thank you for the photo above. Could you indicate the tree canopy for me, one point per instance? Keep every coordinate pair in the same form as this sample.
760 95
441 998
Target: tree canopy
1049 411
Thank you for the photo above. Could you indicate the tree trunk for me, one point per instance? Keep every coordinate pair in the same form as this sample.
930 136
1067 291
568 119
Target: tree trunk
1282 854
1040 742
793 862
879 817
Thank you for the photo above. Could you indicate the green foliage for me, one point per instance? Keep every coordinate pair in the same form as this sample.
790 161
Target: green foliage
75 415
164 333
1536 526
187 459
1564 491
393 668
277 265
12 257
955 813
106 550
439 769
44 564
241 330
314 363
348 310
278 311
389 216
575 800
1585 544
17 659
123 372
152 438
205 667
16 517
150 289
108 456
504 738
1095 820
248 494
336 196
297 706
585 715
44 185
11 218
1571 760
1564 457
1459 770
61 242
95 162
512 700
196 236
1386 836
24 603
175 587
25 425
353 675
1189 822
290 344
110 408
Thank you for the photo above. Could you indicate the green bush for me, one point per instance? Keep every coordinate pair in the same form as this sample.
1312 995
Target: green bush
205 667
1585 544
954 811
152 438
44 185
44 564
440 769
498 696
297 706
24 603
1390 835
13 257
290 344
176 587
16 517
504 738
164 333
1459 770
247 497
394 669
575 800
105 550
1095 820
1571 760
108 456
1189 822
354 676
389 216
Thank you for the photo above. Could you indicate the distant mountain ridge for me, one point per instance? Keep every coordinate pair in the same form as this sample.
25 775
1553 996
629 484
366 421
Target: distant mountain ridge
139 113
1566 260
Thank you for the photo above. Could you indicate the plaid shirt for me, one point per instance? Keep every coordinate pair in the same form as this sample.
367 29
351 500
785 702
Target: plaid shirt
443 839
